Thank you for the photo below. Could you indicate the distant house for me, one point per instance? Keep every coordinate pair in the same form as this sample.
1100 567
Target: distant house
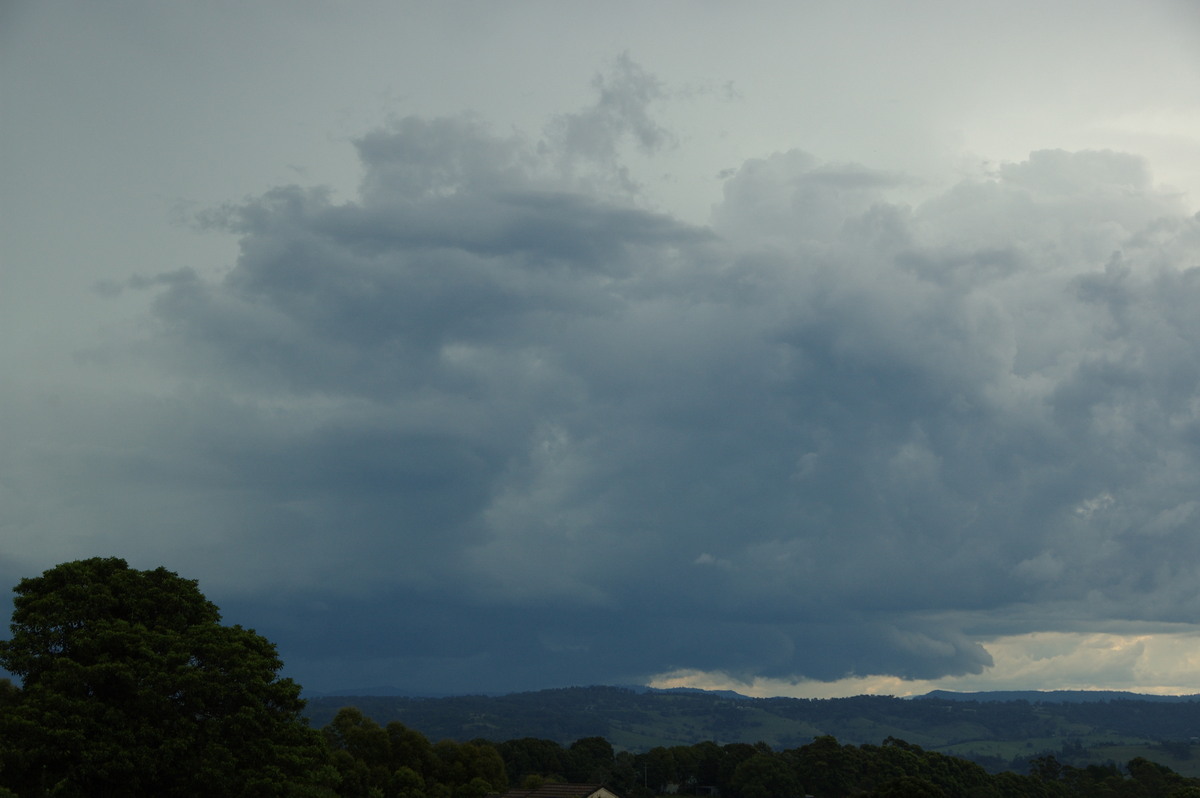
562 791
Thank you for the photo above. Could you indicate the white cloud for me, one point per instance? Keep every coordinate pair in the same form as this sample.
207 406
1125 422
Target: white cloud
1155 663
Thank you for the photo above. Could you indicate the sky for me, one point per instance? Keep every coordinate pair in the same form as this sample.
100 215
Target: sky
796 348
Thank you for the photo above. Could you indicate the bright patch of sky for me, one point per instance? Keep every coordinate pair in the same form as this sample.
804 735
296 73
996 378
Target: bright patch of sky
1152 663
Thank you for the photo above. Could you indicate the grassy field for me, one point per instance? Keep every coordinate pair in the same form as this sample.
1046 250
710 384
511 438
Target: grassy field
1188 765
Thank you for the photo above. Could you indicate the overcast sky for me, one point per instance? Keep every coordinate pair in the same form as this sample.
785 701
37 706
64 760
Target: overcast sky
794 348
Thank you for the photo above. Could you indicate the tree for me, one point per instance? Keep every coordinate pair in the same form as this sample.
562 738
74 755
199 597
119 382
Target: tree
590 760
361 752
660 769
533 756
909 787
131 686
826 768
765 775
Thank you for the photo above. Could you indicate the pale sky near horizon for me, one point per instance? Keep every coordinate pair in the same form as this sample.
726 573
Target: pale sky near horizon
795 348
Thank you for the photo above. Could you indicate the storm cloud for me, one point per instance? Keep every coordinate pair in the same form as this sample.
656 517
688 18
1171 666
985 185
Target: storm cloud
727 360
496 424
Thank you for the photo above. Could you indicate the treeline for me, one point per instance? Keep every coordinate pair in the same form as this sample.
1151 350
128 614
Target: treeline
394 761
638 720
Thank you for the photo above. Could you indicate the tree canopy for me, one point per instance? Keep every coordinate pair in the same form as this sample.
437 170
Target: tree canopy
132 686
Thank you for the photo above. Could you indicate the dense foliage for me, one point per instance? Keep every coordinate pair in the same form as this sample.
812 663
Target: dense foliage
131 686
396 762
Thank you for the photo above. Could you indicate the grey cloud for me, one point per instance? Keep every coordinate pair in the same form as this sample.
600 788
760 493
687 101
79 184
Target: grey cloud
621 110
114 288
1078 174
866 422
494 417
416 158
793 197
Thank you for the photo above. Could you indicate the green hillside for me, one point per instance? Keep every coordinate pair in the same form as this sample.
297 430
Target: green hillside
994 733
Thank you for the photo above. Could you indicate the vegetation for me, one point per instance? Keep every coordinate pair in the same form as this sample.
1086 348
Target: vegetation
999 735
131 686
823 768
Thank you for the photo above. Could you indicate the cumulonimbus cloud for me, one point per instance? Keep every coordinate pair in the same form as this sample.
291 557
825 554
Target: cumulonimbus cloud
495 392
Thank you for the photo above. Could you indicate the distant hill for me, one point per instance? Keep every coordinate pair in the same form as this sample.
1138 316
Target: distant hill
999 729
389 690
1056 696
382 690
719 693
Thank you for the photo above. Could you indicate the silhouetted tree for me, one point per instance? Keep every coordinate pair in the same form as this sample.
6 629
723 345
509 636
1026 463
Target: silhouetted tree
132 687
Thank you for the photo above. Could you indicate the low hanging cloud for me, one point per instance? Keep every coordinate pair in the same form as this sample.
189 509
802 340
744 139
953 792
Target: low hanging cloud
494 424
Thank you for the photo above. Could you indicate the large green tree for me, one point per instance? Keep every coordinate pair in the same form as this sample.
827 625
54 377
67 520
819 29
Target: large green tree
131 686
